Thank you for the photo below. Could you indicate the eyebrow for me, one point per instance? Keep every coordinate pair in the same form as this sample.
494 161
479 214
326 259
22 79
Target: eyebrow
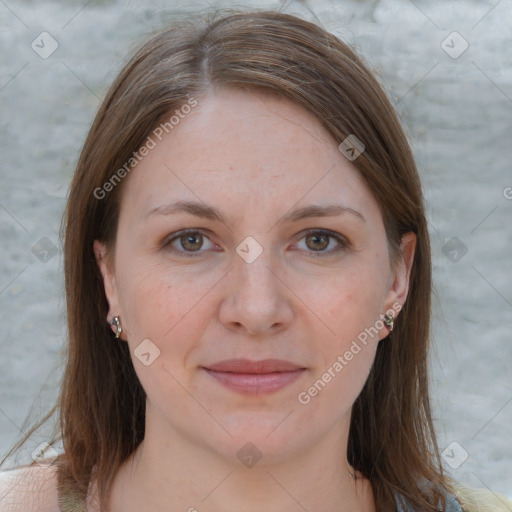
211 213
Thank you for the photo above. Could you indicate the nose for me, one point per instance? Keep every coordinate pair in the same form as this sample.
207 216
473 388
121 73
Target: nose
257 300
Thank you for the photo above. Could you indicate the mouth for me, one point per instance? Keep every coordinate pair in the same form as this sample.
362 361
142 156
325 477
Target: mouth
255 377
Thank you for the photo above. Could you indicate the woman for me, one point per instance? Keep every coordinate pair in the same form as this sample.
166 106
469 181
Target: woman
248 285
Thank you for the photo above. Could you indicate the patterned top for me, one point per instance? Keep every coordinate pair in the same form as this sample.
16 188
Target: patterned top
452 505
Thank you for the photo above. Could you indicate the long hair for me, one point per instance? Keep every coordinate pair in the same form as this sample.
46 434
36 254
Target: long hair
102 403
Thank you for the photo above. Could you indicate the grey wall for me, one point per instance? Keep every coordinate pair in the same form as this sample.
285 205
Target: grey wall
455 102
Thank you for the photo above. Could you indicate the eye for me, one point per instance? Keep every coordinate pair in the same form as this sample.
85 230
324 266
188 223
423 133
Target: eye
317 240
187 243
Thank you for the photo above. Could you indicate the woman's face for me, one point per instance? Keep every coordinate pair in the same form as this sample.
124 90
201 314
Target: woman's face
259 275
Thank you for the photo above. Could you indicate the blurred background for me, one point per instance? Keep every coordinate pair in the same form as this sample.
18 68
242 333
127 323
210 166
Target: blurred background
447 68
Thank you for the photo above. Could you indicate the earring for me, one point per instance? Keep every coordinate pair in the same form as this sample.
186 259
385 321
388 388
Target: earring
116 323
388 321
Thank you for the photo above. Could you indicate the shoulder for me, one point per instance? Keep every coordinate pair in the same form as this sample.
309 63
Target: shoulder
29 489
481 500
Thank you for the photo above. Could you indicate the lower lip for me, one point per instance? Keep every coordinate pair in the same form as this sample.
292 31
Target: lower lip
256 383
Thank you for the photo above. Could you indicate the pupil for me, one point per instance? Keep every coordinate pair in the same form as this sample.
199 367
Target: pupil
189 239
324 237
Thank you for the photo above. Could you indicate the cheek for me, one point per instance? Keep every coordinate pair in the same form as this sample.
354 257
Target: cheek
351 311
346 357
332 392
157 302
353 303
163 308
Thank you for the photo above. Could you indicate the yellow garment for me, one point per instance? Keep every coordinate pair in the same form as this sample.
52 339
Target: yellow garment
482 500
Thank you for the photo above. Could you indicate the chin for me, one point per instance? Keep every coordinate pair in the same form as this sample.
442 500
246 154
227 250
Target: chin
262 441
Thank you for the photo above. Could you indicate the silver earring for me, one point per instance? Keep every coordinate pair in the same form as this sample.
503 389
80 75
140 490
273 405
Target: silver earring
388 321
116 323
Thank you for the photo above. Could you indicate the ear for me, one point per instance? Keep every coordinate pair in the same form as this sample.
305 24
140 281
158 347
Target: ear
399 285
109 281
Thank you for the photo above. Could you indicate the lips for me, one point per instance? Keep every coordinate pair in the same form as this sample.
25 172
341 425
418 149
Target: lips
247 366
255 377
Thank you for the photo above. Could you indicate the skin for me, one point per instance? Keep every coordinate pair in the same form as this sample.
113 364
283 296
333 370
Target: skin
255 158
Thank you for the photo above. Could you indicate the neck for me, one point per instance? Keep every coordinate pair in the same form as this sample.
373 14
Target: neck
177 474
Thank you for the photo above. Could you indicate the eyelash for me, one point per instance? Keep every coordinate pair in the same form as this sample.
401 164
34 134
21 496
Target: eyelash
342 241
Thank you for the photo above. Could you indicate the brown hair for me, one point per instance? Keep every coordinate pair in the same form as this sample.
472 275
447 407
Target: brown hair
102 403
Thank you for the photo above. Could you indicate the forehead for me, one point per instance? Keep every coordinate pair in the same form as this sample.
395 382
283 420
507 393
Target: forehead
241 150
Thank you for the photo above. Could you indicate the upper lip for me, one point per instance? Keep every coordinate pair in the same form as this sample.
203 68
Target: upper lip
248 366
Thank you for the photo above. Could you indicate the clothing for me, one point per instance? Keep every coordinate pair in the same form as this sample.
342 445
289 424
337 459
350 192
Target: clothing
452 504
